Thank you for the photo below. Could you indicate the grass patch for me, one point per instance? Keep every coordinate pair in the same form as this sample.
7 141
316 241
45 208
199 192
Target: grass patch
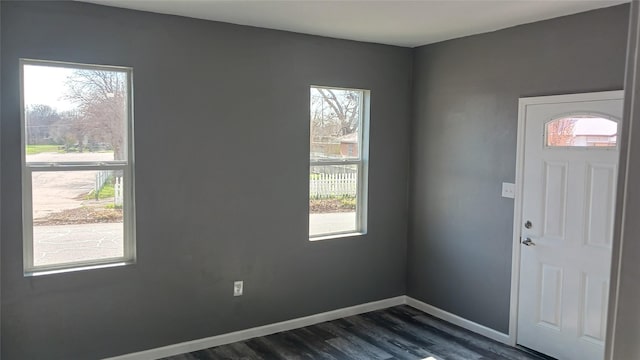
332 204
113 206
348 201
37 149
107 192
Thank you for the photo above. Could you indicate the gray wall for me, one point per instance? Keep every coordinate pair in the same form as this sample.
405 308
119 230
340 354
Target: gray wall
464 146
623 328
221 122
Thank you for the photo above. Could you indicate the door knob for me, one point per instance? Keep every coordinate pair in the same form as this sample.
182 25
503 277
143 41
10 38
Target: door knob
528 242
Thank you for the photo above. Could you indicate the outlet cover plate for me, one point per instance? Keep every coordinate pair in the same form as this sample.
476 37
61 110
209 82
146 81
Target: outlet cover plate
238 288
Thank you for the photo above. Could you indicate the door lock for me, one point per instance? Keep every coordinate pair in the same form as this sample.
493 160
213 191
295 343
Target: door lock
528 224
528 242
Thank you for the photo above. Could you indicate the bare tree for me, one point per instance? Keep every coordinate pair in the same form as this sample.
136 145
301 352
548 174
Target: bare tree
67 130
39 119
560 132
343 111
335 113
102 109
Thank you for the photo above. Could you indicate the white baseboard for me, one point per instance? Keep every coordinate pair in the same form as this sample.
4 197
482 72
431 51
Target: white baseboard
242 335
460 321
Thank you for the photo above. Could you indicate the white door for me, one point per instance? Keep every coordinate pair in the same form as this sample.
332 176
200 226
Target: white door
568 195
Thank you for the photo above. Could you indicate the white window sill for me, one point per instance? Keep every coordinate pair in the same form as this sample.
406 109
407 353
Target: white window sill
77 268
336 236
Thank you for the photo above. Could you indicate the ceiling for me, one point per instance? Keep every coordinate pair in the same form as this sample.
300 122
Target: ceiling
394 22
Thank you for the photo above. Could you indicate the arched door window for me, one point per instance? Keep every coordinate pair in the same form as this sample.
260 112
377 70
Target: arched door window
581 131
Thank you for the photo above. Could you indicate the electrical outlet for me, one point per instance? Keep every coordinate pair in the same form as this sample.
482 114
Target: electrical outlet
238 287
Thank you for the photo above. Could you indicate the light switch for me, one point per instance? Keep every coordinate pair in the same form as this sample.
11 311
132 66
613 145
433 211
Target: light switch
509 190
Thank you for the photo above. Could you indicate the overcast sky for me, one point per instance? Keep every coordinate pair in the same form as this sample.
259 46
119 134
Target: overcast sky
46 85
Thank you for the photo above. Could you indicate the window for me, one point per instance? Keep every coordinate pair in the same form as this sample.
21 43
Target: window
581 131
338 162
77 165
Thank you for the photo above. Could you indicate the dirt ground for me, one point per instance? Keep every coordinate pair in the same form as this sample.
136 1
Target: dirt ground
81 215
329 206
62 190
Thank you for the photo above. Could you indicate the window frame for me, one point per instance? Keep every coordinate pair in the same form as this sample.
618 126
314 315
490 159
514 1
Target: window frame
126 166
361 163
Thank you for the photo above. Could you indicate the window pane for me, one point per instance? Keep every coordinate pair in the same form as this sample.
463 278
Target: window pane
74 114
332 199
583 131
335 123
77 216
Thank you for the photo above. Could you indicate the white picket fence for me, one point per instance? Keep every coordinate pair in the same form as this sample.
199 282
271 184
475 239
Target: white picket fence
117 187
330 185
101 179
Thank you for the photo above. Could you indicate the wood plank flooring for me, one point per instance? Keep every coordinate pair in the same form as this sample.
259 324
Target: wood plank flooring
398 333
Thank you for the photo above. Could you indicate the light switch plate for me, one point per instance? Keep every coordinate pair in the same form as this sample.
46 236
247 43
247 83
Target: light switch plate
238 288
508 190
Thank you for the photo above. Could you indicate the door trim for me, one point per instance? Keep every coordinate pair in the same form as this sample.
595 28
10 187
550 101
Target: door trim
517 208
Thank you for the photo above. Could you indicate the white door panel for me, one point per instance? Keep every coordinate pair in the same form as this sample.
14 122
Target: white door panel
568 196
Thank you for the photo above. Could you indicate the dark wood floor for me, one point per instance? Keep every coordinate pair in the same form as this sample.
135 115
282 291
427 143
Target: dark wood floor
399 332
